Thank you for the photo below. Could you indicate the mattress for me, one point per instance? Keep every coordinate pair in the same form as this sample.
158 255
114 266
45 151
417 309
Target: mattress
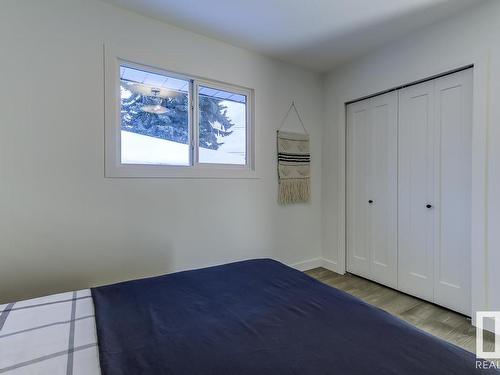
258 317
52 335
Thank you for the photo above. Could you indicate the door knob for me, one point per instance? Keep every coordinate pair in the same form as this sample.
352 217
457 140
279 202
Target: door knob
428 205
370 201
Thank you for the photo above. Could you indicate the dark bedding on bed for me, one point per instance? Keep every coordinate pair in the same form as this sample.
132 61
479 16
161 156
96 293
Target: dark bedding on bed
258 317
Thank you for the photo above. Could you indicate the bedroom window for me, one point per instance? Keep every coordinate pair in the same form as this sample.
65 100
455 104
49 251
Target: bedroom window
163 124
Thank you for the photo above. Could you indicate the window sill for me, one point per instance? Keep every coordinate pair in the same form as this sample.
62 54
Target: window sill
163 171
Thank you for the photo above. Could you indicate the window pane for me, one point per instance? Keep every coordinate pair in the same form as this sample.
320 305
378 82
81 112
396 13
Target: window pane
222 127
154 118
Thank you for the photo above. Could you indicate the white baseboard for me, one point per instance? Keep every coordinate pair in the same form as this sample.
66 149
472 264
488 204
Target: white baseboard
308 264
315 263
330 265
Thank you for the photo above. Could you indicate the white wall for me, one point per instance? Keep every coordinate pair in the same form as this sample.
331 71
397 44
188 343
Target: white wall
63 225
470 37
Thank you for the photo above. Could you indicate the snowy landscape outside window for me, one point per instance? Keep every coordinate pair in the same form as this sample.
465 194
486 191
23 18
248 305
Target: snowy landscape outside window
157 113
222 137
154 118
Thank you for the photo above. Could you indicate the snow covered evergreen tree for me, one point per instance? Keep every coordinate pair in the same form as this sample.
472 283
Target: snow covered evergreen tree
173 124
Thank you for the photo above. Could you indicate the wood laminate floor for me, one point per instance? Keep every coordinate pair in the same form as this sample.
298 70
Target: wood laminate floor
434 319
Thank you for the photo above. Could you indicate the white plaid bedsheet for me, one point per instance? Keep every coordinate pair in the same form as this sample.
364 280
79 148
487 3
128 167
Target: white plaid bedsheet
52 335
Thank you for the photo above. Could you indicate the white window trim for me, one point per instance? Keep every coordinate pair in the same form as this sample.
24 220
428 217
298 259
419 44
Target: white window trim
113 59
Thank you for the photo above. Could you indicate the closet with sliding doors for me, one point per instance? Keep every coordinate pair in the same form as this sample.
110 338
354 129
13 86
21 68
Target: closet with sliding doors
408 188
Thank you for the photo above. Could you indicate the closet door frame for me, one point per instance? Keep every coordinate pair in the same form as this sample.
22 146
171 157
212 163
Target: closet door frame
335 258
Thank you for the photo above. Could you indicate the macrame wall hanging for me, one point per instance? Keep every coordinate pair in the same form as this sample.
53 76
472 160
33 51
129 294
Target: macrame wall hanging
294 160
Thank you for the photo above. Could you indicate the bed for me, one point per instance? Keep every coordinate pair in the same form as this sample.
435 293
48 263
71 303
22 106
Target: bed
251 317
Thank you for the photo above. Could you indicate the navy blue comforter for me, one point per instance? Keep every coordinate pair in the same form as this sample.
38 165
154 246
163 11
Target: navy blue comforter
258 317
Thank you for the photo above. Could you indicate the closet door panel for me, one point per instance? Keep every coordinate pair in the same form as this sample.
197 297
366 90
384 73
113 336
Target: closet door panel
416 190
383 189
453 119
358 227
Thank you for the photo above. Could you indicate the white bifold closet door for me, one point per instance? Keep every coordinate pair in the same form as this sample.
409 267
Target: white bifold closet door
416 177
372 188
435 152
408 189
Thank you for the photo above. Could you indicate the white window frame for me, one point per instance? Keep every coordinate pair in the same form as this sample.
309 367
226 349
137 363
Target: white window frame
113 59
